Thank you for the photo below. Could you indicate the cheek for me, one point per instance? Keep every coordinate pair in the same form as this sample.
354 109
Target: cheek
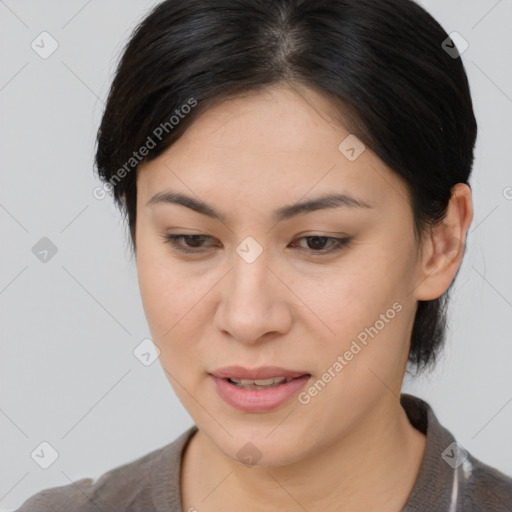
166 293
348 297
175 306
360 356
361 311
172 319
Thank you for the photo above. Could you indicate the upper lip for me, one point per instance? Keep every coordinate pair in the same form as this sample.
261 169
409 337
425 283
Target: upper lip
263 372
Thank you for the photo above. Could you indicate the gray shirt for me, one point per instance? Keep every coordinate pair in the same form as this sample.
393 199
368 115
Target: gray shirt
450 479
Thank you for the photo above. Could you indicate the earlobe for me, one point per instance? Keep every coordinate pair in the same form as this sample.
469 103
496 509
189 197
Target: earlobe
445 247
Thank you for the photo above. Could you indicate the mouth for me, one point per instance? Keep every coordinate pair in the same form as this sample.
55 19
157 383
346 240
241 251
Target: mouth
258 390
238 374
260 383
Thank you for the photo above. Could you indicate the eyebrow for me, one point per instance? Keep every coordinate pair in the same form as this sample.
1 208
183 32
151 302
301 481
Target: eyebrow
283 213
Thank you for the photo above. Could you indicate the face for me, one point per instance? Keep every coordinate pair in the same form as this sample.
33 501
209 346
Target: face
325 291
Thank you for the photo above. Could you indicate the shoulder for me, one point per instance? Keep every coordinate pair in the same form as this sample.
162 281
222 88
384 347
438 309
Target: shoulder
56 499
126 488
485 488
110 489
451 478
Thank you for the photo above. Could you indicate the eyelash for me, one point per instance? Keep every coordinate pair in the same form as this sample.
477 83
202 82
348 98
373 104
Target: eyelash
337 244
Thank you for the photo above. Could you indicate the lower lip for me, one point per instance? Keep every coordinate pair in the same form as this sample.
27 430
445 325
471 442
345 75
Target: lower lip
258 400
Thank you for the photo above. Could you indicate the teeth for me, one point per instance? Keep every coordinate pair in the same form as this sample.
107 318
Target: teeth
255 384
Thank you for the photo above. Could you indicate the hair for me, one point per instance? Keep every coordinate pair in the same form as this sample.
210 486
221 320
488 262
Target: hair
382 62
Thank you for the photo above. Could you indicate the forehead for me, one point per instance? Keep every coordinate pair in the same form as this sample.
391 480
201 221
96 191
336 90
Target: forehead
278 119
274 145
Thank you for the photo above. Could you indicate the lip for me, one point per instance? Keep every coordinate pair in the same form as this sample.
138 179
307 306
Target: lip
258 400
263 372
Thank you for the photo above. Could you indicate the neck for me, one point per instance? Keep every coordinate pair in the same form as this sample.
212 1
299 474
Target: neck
375 464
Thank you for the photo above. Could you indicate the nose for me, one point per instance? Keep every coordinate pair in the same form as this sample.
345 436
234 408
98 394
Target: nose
255 302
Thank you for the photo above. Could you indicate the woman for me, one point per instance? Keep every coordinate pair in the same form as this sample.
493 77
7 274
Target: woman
295 177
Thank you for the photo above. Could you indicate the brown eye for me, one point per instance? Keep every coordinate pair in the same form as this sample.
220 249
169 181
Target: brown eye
324 244
191 243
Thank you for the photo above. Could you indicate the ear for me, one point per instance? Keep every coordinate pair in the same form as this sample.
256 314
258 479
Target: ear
444 248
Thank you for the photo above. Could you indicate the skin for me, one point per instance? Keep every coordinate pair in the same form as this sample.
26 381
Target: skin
352 444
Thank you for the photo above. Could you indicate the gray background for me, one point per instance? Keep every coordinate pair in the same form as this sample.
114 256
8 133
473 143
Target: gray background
69 326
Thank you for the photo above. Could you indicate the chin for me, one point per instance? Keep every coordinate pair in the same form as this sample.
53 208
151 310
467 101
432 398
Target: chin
264 446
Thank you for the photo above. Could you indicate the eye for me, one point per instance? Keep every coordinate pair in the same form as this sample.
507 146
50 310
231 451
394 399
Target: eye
195 240
316 244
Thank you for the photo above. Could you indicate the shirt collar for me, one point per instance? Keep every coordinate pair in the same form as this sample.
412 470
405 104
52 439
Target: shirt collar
434 488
